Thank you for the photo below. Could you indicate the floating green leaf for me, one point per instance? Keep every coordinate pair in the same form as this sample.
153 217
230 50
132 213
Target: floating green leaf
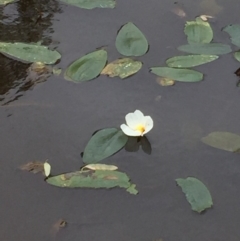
184 75
237 55
87 67
122 68
90 4
223 140
198 31
190 60
93 179
212 48
130 41
5 2
196 193
29 52
234 31
103 144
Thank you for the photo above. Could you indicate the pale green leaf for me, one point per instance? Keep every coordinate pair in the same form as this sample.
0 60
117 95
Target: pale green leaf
130 41
223 140
208 49
90 4
29 52
237 55
196 193
183 75
198 31
122 67
103 144
190 60
87 67
234 31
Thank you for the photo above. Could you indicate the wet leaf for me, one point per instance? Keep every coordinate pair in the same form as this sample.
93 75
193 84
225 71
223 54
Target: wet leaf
212 48
47 169
223 140
237 55
5 2
196 193
30 52
56 71
183 75
87 67
190 60
165 81
103 144
234 31
122 68
100 167
34 167
198 31
130 41
132 189
91 4
92 179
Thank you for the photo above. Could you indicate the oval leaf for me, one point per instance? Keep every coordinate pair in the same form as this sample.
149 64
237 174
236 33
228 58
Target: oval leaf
223 140
234 31
198 31
213 48
183 75
130 41
122 68
88 67
190 60
30 52
90 4
103 144
196 193
93 179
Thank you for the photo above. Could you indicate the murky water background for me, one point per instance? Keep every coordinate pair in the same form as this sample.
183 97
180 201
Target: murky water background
54 120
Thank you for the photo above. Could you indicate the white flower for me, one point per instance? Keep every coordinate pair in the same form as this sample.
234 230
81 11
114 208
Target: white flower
137 124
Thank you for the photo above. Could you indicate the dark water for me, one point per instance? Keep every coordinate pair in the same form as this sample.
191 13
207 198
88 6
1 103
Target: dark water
54 120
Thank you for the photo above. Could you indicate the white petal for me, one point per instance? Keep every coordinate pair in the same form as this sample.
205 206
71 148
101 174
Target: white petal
47 169
148 124
129 132
134 119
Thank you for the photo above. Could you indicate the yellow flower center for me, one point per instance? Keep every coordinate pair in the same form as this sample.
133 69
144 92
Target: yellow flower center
140 128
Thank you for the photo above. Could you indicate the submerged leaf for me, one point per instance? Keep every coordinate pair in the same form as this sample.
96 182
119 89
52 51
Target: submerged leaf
212 48
34 167
223 140
30 52
190 60
122 68
130 41
87 67
100 167
92 179
196 193
103 144
198 31
165 81
234 31
183 75
90 4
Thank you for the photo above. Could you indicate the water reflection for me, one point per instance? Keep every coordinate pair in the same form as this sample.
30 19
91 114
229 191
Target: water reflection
24 21
134 143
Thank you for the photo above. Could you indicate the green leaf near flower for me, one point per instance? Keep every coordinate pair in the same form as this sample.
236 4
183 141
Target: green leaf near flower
223 140
183 75
196 192
198 31
131 41
190 60
103 144
29 52
87 67
93 179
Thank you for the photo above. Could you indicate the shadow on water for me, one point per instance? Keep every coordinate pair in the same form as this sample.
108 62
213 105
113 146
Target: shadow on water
27 21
